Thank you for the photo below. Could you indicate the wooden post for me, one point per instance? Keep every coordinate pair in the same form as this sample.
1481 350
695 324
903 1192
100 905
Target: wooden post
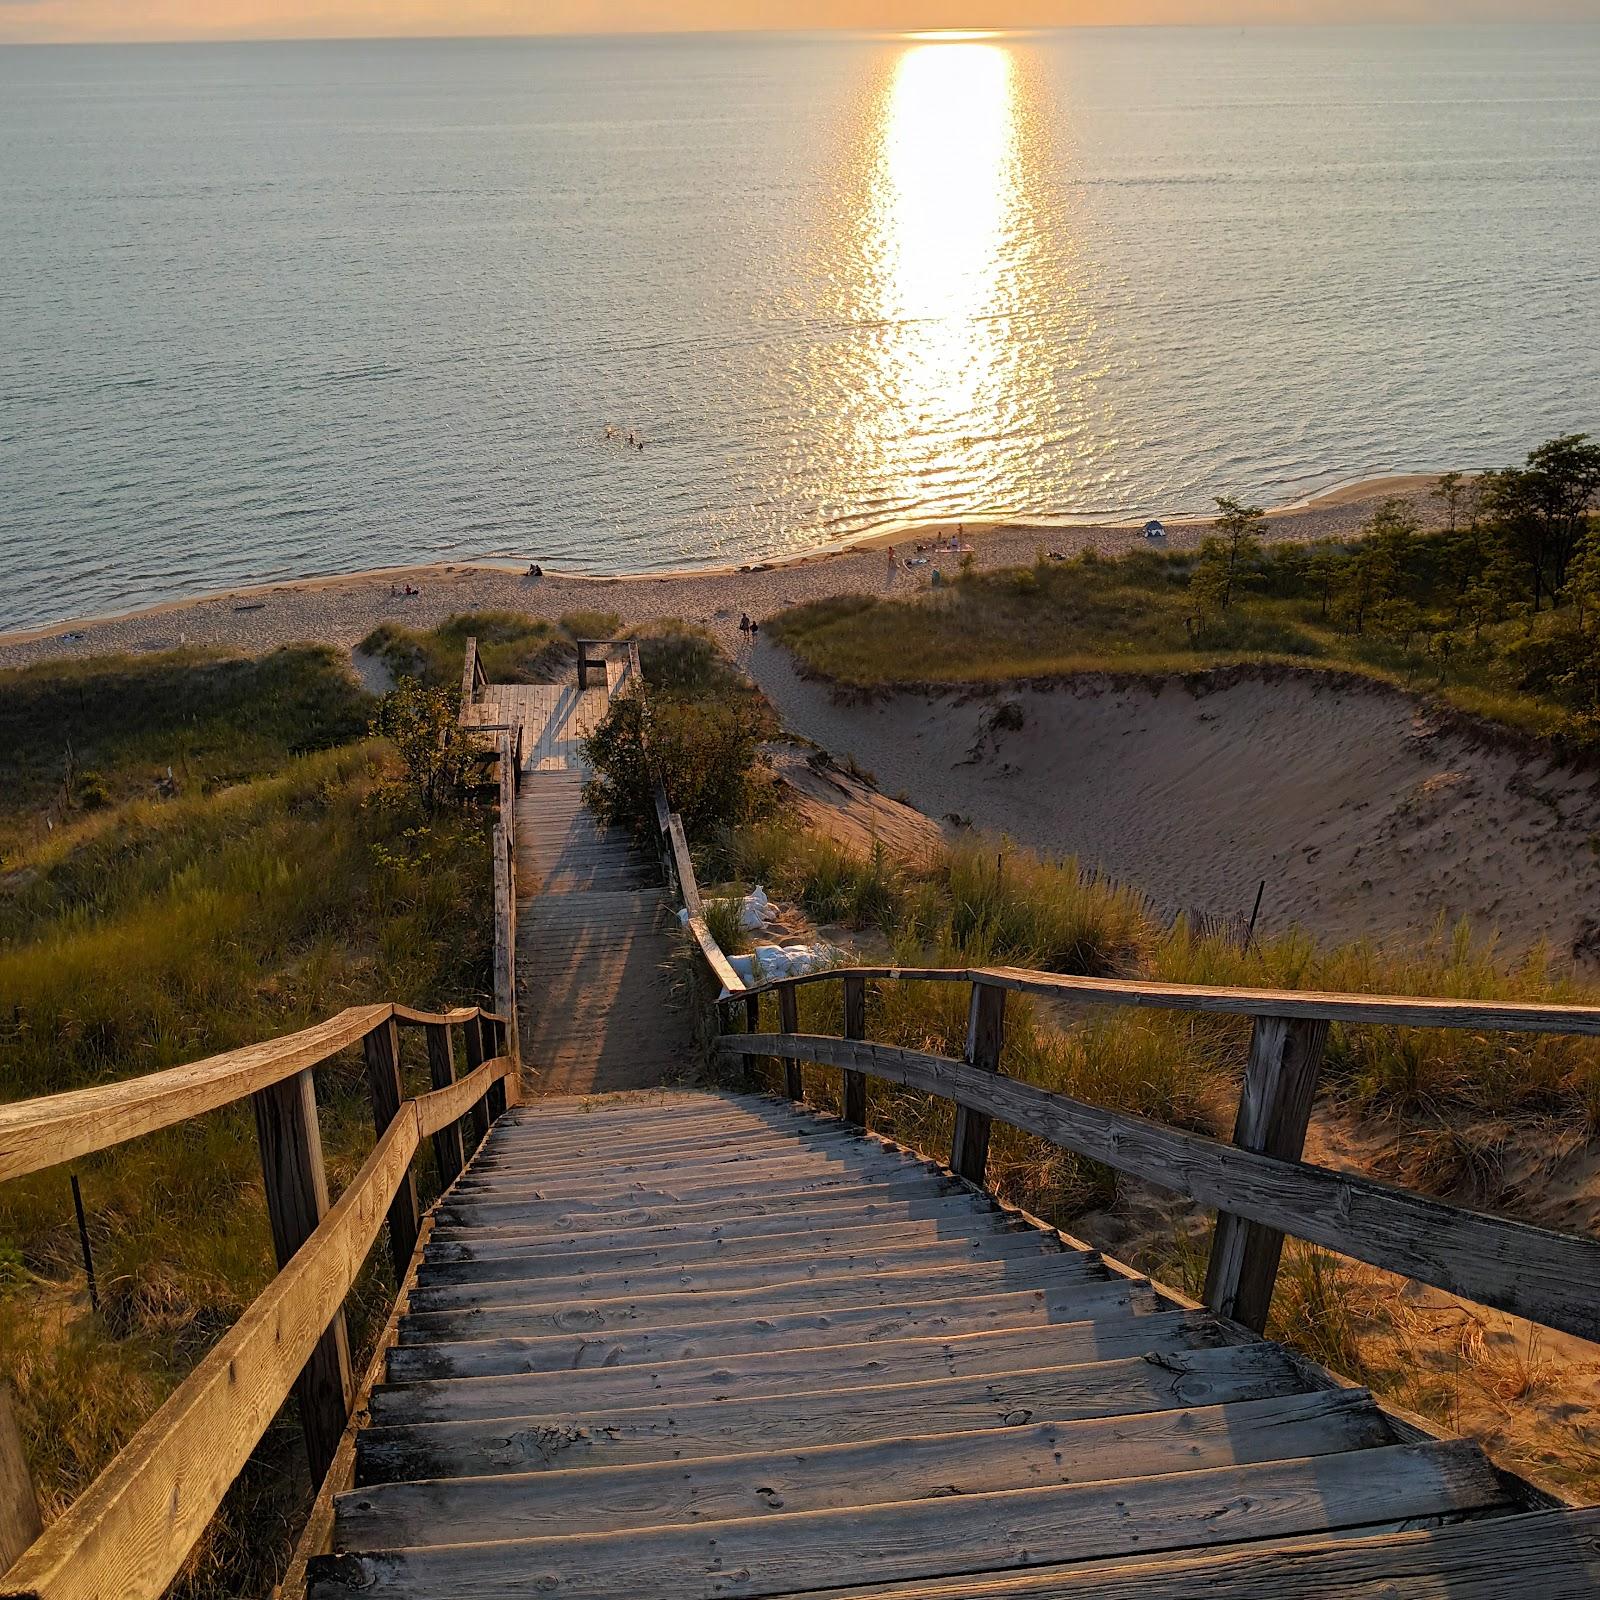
19 1505
788 1022
296 1185
1280 1083
495 1100
448 1152
477 1054
855 1027
752 1013
382 1050
986 1030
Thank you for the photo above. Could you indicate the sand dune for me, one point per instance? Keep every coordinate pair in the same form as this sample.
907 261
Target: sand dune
1362 812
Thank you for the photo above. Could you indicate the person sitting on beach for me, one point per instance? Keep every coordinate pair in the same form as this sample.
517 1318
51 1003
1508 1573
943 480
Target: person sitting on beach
535 570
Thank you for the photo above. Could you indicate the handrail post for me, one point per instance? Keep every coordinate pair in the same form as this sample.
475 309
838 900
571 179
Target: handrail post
449 1155
296 1185
478 1051
1280 1082
789 1022
855 1027
20 1523
381 1048
986 1028
495 1100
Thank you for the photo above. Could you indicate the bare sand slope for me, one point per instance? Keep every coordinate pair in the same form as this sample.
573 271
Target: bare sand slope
1362 814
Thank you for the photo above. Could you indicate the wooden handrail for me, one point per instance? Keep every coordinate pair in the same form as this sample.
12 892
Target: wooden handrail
1393 1010
1546 1277
129 1533
52 1129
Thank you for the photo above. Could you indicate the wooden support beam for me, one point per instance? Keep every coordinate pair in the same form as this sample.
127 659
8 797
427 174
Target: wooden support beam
479 1050
986 1028
449 1154
1280 1082
495 1101
855 1027
789 1022
381 1048
19 1505
296 1184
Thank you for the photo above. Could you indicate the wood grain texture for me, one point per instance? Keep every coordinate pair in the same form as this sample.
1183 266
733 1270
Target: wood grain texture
844 1477
426 1349
855 1027
449 1148
20 1524
1280 1084
1546 1277
768 1556
296 1188
381 1052
1392 1010
1551 1555
625 1436
50 1130
127 1535
986 1028
443 1107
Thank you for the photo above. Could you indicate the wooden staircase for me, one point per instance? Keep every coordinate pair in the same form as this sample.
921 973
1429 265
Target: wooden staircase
674 1345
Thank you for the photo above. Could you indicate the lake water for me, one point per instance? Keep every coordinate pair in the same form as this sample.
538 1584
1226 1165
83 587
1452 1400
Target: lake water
270 310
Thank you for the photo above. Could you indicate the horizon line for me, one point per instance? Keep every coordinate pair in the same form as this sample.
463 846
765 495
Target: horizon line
924 35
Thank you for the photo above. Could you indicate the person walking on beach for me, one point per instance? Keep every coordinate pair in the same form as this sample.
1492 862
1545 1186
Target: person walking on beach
893 563
744 625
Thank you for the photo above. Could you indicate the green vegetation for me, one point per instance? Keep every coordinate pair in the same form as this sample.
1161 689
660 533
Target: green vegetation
698 727
286 868
513 648
1497 613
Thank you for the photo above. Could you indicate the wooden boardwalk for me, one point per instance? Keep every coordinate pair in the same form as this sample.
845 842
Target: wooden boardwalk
592 922
688 1345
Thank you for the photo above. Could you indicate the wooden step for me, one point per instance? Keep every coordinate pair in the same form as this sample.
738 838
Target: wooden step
1006 1263
949 1212
800 1421
1543 1555
505 1327
985 1532
850 1366
635 1210
842 1477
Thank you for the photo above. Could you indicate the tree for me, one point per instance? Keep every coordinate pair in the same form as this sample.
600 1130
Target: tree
1375 572
1208 582
1239 528
1539 512
421 724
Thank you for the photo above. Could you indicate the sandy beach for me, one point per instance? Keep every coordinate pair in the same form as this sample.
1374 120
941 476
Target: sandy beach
343 610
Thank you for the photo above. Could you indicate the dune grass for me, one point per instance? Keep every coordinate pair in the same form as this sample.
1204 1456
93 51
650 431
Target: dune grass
1136 614
513 648
281 876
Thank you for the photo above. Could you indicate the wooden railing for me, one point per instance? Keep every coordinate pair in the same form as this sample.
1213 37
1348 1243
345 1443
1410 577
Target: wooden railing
129 1533
1258 1184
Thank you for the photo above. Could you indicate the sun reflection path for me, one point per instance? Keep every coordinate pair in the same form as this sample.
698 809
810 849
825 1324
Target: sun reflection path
941 258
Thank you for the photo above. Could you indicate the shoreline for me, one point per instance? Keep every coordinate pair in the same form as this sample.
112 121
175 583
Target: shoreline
342 608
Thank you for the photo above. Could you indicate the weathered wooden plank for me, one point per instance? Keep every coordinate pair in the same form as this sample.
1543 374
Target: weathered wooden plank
50 1130
1546 1277
671 1310
1017 1259
986 1028
844 1477
457 1015
1280 1083
683 865
627 1435
449 1149
573 1255
734 1379
606 1212
478 1052
414 1359
855 1027
130 1531
764 1556
445 1107
1551 1555
381 1049
296 1186
944 1212
1393 1010
20 1524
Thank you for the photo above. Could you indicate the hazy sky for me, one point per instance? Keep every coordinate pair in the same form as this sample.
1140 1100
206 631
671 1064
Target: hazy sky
24 21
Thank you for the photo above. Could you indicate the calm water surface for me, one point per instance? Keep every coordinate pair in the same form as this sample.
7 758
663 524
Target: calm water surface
271 310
